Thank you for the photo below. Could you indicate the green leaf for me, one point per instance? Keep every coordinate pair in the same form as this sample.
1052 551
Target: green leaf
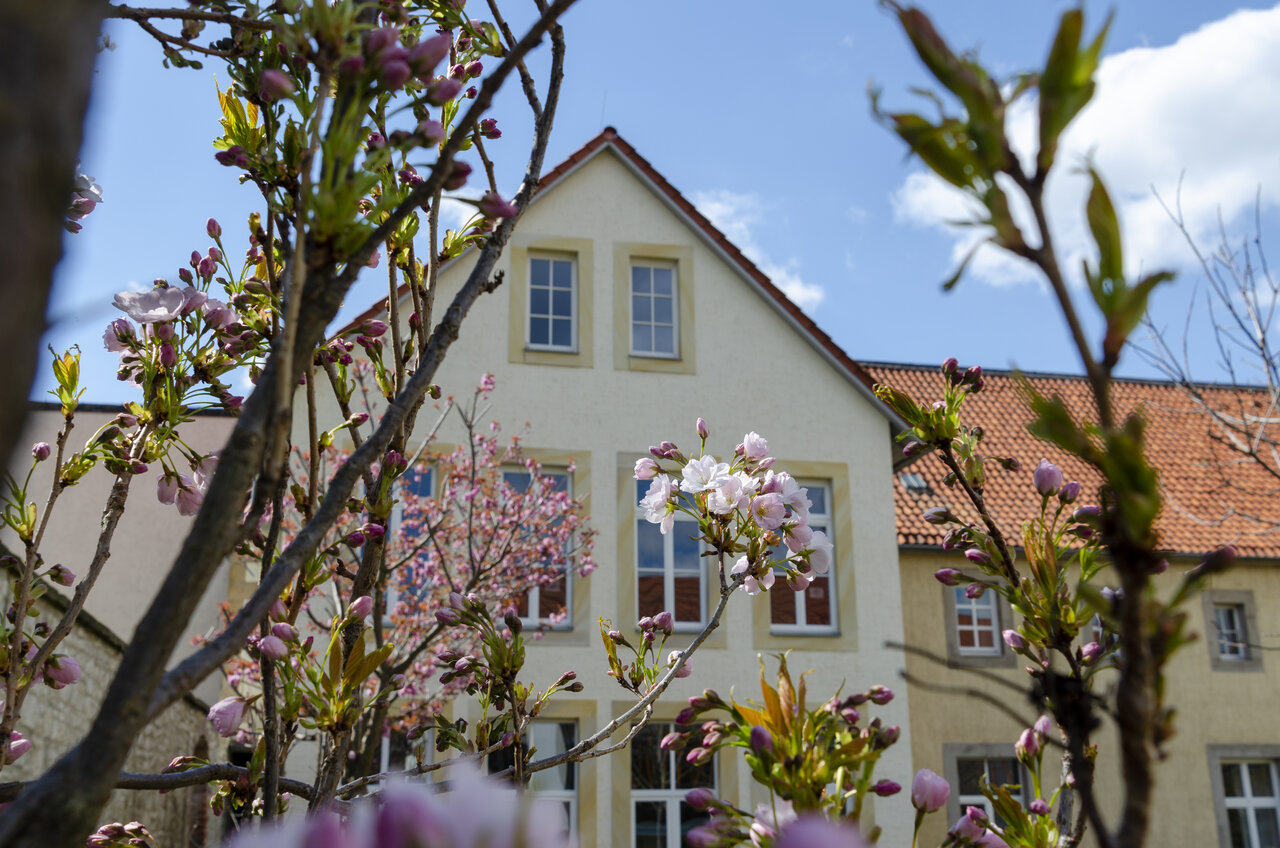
1105 227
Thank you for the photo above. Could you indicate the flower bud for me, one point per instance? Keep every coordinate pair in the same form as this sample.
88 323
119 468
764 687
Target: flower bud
885 788
977 556
61 575
1014 640
664 621
947 576
213 228
1069 492
361 607
1043 726
275 84
41 451
939 515
975 590
1039 807
929 792
272 647
700 798
761 739
673 741
1028 745
1090 652
701 427
284 631
1047 478
448 617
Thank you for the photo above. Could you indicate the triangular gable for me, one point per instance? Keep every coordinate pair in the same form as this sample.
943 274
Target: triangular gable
609 141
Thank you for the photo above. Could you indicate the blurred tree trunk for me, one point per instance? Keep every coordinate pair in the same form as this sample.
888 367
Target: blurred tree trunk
47 52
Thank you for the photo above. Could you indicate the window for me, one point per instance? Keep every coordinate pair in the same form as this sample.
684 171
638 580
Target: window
813 610
1229 621
417 483
654 310
670 569
1231 630
553 314
554 785
659 780
1246 789
915 483
998 771
965 766
977 624
550 603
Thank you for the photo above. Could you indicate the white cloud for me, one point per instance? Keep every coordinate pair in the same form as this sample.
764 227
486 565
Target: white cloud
1201 110
737 215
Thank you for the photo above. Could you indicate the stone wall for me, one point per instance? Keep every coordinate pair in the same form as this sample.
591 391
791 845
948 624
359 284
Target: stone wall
56 720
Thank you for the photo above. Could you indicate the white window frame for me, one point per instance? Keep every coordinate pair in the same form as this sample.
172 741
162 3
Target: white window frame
1233 638
558 796
953 753
974 605
552 258
673 797
683 524
1242 756
533 602
650 265
825 522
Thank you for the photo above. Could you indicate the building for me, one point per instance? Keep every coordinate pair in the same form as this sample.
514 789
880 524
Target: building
1218 784
625 315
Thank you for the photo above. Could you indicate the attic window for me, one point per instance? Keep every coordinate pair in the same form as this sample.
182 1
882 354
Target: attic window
914 483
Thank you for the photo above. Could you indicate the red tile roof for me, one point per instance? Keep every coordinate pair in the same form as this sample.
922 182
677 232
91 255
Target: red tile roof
610 139
1201 510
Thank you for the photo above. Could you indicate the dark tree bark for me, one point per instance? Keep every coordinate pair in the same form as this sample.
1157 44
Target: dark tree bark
47 51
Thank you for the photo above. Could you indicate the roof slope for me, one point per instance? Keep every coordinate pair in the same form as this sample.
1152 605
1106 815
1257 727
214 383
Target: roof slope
1201 512
609 140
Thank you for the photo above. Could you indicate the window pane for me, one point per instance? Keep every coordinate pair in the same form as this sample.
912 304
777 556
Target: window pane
970 775
641 338
640 308
650 596
1260 780
1239 828
1003 772
662 281
553 597
1231 785
551 738
691 776
687 550
782 602
817 603
539 301
639 279
664 340
563 274
562 303
650 765
563 333
688 600
689 819
518 480
539 331
966 638
818 499
662 310
1268 829
540 272
986 639
649 546
651 824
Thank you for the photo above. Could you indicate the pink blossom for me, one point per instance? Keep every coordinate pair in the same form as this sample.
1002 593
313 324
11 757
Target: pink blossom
768 511
284 631
755 446
217 314
62 670
798 537
189 497
657 503
929 792
492 205
192 298
40 451
646 468
753 585
361 607
117 336
685 670
17 747
151 306
167 488
816 831
275 84
226 716
1043 726
426 54
703 473
820 552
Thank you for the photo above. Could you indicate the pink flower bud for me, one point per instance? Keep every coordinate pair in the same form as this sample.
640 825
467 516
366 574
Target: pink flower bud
700 799
493 206
361 607
440 91
41 451
213 228
279 610
273 647
62 670
431 132
1014 640
284 631
977 556
475 69
426 54
701 426
489 128
275 84
448 617
929 792
373 328
1047 478
1028 744
761 739
166 488
880 694
61 575
226 715
168 356
395 74
947 576
17 747
1090 652
1069 492
885 788
664 621
673 657
1039 807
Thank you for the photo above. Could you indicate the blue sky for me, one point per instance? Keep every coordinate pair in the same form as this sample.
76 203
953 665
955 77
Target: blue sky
764 124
